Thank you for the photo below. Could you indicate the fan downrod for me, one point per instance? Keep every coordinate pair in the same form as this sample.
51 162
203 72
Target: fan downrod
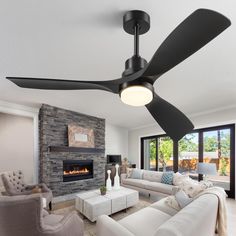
135 23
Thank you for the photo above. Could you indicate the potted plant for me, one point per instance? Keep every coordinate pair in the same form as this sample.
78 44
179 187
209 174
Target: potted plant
103 190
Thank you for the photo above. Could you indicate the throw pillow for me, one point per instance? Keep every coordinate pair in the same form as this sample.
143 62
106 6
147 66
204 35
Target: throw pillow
36 189
178 178
129 172
191 187
2 190
167 178
182 198
171 202
136 174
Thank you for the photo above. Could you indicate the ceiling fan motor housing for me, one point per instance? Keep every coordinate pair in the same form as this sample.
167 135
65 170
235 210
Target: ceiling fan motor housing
134 64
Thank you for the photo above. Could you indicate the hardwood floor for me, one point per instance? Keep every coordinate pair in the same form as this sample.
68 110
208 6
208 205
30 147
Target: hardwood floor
231 207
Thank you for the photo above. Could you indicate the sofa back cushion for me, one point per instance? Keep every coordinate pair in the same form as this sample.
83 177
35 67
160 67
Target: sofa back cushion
136 174
197 218
154 176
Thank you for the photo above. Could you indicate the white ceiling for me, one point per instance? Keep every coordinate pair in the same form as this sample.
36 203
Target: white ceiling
84 40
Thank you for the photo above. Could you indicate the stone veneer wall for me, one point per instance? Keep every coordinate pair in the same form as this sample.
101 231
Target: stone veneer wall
53 123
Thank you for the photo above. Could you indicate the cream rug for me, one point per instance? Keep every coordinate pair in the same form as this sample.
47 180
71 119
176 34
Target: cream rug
89 227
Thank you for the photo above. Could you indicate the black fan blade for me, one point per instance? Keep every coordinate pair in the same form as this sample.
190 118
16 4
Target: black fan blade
54 84
193 33
171 120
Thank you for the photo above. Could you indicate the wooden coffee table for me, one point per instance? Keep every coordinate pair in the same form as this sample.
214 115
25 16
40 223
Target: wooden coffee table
92 204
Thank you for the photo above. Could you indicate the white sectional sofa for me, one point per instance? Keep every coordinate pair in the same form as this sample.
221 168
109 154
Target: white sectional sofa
149 183
196 219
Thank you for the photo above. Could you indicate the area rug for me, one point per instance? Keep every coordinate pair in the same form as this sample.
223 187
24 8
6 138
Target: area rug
90 227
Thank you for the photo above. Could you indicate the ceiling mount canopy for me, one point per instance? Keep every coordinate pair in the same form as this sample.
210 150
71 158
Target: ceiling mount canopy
135 87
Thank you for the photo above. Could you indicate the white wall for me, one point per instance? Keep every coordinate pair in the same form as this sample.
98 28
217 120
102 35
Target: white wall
30 112
17 145
116 140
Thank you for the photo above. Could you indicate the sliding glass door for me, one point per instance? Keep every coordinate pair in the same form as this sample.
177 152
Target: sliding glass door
149 152
157 153
216 149
209 145
188 155
165 153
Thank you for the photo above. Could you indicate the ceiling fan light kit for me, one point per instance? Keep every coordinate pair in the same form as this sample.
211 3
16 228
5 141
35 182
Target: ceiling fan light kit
139 94
135 87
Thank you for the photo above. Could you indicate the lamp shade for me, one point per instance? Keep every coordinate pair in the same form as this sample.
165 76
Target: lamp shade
206 168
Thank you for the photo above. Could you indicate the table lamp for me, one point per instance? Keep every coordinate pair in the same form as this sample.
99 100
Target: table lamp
206 169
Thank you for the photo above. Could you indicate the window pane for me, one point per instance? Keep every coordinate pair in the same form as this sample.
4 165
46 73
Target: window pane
150 154
188 155
217 150
165 154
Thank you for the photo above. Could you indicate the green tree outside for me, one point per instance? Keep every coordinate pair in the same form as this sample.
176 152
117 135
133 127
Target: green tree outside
165 151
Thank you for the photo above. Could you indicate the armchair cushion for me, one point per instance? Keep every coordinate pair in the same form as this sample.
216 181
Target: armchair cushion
52 219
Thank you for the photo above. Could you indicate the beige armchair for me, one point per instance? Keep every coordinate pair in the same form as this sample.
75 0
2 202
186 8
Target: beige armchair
14 185
25 216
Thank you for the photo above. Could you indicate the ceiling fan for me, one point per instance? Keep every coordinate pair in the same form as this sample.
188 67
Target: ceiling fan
136 85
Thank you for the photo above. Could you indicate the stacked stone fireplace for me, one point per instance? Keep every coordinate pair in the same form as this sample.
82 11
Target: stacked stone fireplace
67 170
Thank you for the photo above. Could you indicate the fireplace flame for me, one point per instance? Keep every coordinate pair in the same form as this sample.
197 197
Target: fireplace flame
76 172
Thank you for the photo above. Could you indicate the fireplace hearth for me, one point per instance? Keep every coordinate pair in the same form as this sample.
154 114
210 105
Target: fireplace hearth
74 170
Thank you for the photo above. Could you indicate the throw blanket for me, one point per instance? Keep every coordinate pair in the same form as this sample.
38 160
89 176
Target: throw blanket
222 211
221 226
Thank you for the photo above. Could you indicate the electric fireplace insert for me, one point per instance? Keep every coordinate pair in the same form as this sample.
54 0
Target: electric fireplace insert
74 170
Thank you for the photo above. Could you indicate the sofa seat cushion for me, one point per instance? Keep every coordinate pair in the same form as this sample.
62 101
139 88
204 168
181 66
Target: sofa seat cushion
159 187
162 206
154 176
52 219
140 183
145 221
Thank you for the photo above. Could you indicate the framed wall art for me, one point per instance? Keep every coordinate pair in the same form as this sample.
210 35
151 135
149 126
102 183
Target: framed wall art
80 137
